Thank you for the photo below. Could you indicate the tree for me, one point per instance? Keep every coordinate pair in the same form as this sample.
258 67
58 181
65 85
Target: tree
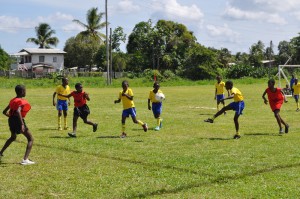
92 27
5 60
257 54
44 36
284 52
118 36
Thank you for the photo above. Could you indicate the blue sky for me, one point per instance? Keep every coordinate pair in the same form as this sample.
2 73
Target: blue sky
231 24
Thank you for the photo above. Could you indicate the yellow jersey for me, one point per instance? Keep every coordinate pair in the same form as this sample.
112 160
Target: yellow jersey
237 94
152 96
127 103
63 91
220 88
296 89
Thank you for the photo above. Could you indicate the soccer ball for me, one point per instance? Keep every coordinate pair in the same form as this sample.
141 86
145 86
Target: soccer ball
160 97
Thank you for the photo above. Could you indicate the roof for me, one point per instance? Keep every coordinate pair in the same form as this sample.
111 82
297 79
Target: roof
42 51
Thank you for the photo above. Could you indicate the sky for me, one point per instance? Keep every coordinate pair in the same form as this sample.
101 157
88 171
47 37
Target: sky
231 24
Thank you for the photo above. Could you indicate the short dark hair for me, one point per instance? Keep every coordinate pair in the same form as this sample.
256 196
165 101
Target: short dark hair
125 82
229 83
156 84
19 89
272 81
77 85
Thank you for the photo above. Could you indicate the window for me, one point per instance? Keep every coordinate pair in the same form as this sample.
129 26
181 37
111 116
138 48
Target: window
54 59
41 58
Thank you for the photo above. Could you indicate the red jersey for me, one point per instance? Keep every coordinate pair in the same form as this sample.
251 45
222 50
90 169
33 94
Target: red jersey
275 98
15 103
79 98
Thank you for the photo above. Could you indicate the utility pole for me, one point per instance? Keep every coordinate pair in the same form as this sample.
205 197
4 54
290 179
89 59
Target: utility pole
270 58
107 46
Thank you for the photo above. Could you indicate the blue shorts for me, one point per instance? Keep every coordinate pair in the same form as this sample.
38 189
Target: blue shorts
130 111
220 97
62 105
296 97
157 108
238 107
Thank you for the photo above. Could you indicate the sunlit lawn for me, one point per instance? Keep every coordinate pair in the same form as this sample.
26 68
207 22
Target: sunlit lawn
186 159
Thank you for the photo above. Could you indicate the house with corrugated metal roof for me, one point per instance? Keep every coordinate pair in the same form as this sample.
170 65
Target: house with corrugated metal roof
39 61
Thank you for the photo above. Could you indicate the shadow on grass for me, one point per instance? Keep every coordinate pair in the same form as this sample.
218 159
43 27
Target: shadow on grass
262 134
48 129
220 138
109 136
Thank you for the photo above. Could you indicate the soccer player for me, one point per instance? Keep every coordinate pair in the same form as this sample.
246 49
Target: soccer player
126 96
276 98
18 108
219 92
156 105
62 104
296 89
237 105
81 109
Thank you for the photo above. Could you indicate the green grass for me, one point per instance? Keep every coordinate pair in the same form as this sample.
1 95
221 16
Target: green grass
186 159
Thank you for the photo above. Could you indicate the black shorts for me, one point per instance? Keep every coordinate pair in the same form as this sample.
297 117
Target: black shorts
15 125
82 111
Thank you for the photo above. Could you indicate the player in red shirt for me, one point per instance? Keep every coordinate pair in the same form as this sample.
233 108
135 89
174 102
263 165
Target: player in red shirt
81 109
276 98
18 108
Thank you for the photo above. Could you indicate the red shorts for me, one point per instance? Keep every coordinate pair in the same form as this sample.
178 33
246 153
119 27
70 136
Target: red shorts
276 105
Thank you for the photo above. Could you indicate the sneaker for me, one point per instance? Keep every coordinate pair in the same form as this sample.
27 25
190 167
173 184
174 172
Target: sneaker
225 113
236 136
59 128
286 130
156 128
72 135
123 135
280 131
27 162
66 128
95 126
209 120
160 125
297 109
145 127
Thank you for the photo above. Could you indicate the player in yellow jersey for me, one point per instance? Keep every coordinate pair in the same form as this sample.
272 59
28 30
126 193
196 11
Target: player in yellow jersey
156 105
219 92
237 105
126 96
62 102
296 89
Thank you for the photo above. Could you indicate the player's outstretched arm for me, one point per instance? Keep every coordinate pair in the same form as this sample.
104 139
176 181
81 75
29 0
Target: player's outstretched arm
5 111
264 97
117 101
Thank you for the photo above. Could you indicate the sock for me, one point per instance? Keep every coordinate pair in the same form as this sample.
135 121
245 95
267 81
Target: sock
65 122
218 107
59 121
140 122
123 127
158 121
297 104
237 133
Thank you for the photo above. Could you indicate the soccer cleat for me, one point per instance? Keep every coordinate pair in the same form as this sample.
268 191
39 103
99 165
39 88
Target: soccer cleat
27 162
156 128
286 130
145 127
297 109
66 128
160 125
95 126
123 135
280 131
236 136
72 135
209 120
59 128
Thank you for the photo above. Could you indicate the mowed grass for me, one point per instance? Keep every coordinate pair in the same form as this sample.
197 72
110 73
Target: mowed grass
188 158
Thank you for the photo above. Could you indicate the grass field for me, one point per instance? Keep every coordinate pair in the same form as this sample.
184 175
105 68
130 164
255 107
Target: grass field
186 159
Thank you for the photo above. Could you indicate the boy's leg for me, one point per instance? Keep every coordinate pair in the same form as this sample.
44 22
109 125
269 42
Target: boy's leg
123 135
29 137
225 108
59 120
65 119
8 142
144 125
236 123
281 121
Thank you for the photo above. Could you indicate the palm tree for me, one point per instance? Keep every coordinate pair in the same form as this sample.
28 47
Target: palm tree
44 36
93 25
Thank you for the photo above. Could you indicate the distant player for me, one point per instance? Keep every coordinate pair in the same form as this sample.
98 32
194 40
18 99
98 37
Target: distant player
18 108
276 98
296 89
237 105
156 105
292 82
219 92
81 109
126 96
62 102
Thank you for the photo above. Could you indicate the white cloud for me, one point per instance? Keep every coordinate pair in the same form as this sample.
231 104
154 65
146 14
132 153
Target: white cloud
223 31
13 24
126 6
57 17
238 14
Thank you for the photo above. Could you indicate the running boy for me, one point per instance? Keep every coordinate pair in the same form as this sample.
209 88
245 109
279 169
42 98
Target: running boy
276 98
296 89
62 104
126 95
219 92
237 105
18 108
156 105
81 109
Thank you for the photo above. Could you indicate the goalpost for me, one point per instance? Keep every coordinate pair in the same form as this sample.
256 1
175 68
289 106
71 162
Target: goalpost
281 73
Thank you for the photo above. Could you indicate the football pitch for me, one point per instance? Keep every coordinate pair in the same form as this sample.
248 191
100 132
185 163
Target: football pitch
187 158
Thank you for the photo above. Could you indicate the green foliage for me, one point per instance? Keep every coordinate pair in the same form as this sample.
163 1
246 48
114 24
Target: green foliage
44 36
240 71
5 60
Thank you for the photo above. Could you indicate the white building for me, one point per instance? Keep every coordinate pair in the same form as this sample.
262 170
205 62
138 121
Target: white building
39 60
